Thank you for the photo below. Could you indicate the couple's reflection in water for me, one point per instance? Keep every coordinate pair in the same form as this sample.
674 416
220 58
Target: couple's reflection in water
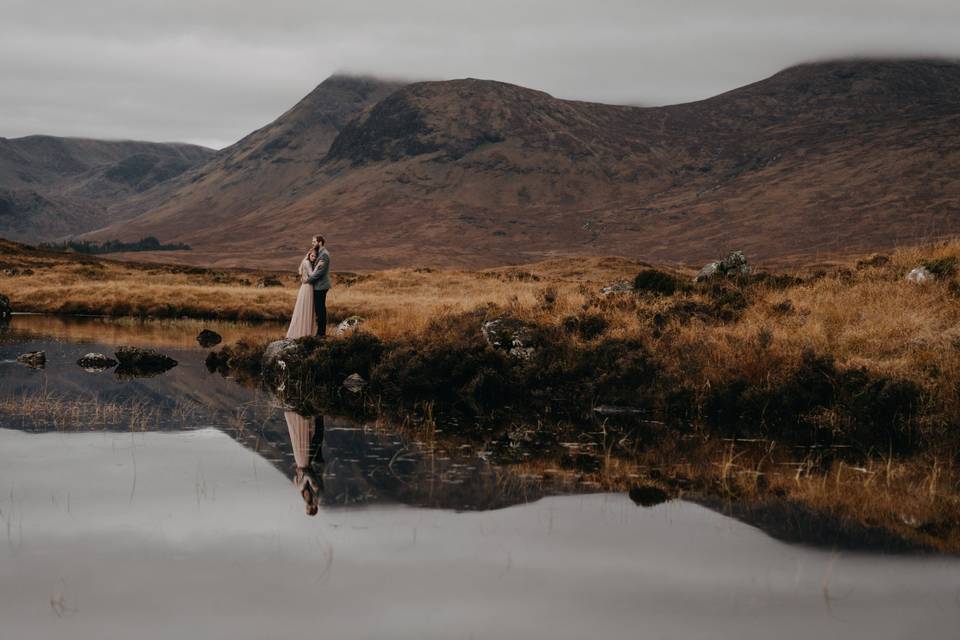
306 438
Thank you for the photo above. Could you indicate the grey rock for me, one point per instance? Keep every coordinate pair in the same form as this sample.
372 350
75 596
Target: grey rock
96 362
34 359
354 383
617 287
274 356
709 270
348 325
734 264
208 338
920 275
514 336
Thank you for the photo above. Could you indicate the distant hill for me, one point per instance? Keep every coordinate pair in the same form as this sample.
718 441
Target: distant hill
52 187
829 157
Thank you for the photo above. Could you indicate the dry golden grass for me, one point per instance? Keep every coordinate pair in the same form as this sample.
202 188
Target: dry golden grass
866 316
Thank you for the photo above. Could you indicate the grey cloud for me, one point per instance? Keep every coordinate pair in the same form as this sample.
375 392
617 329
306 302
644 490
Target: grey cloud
210 71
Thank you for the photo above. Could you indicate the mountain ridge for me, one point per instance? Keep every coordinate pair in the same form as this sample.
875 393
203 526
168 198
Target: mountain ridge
821 157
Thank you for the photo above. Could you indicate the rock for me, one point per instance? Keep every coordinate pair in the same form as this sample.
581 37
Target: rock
354 383
920 275
709 270
516 337
276 352
137 362
734 264
350 324
96 362
18 272
268 281
616 410
617 287
34 359
208 338
6 312
648 495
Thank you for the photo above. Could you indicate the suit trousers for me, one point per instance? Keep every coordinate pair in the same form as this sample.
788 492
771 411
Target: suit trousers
320 310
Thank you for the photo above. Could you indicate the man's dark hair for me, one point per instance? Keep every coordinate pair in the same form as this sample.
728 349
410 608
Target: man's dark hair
320 238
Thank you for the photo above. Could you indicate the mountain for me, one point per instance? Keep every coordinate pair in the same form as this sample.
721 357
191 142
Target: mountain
827 158
222 199
52 187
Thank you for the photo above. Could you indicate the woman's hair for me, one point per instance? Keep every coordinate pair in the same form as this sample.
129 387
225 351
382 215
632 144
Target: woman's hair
313 253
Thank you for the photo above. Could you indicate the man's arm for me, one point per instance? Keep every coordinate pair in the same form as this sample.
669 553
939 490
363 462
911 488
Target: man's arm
323 264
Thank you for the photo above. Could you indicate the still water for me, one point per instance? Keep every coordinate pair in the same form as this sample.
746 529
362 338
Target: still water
171 506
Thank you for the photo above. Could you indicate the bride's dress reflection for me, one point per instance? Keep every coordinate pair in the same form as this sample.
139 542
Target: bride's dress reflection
306 436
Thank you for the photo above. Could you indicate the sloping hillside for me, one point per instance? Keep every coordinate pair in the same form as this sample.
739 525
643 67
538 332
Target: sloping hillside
820 158
52 187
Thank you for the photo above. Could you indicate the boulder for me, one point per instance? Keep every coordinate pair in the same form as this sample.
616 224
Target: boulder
208 338
6 312
354 383
34 359
138 362
276 353
514 336
648 495
268 281
350 324
734 264
96 362
708 271
920 275
614 288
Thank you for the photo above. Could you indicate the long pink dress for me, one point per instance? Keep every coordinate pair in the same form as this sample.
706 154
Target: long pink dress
302 322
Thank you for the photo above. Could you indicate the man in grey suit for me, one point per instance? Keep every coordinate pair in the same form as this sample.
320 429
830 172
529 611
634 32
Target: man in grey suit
320 279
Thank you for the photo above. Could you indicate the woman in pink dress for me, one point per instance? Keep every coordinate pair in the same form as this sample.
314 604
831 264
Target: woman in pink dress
301 324
306 438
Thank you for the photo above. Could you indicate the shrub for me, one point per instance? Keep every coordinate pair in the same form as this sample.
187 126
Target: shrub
657 282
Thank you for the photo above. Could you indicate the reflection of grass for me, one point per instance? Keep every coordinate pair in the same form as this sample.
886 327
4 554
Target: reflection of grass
158 333
814 495
45 409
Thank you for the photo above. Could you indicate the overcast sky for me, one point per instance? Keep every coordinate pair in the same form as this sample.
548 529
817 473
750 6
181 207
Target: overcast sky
211 71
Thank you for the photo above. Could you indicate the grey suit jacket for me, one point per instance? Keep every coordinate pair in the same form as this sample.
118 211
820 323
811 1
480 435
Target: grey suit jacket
319 277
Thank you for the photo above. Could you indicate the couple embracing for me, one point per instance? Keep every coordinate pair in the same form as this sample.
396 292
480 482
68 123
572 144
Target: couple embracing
311 303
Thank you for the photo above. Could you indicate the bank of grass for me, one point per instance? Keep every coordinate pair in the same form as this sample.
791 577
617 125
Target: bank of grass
853 354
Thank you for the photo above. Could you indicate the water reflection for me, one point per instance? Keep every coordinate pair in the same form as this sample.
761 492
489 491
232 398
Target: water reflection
306 438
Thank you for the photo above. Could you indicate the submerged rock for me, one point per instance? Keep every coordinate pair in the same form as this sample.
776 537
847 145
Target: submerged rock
34 359
208 338
516 337
6 312
617 410
920 275
350 324
648 495
138 362
354 383
96 362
